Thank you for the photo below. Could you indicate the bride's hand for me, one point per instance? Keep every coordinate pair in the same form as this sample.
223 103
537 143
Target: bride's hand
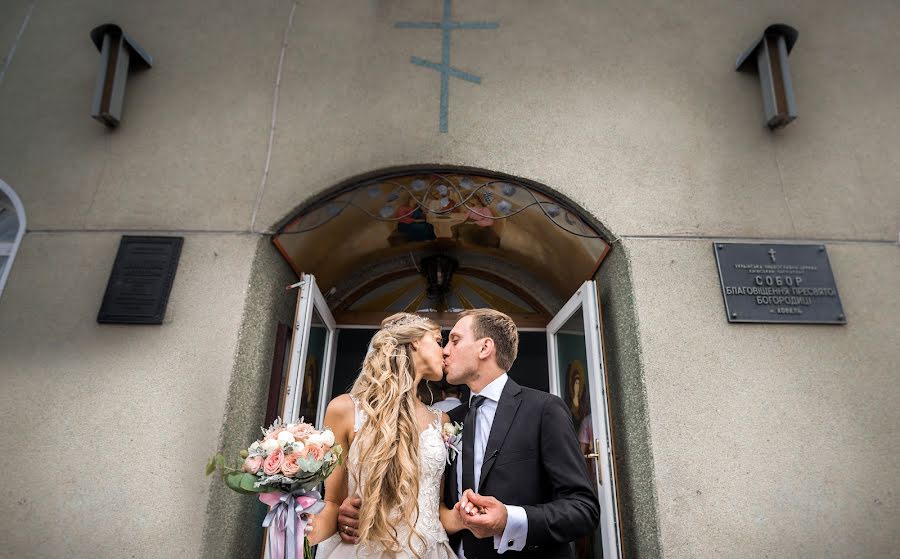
483 515
450 519
466 507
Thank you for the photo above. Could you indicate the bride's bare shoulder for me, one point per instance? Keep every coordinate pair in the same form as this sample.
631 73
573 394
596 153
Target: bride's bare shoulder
340 412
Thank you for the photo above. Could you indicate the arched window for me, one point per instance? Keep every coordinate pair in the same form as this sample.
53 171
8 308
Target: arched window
12 229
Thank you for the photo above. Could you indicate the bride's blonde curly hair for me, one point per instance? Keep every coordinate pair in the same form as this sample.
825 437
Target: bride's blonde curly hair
389 439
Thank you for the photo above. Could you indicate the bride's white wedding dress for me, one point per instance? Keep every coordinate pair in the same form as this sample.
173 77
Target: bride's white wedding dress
432 458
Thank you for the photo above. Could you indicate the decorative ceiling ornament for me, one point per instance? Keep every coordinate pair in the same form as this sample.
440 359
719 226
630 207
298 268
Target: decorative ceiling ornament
434 204
456 212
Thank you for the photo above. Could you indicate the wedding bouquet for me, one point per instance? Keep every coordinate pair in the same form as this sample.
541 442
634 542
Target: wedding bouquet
283 469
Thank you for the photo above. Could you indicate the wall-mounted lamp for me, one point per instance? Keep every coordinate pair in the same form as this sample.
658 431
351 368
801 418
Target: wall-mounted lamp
118 53
771 57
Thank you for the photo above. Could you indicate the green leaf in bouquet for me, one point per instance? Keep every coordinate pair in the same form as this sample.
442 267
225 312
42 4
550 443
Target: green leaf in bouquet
237 481
211 465
303 478
247 483
233 481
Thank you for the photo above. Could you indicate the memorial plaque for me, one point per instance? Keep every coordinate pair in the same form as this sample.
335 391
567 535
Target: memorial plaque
142 276
778 283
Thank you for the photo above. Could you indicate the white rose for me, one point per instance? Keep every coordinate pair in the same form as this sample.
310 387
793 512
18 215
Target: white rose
255 446
270 444
285 437
298 446
316 439
328 438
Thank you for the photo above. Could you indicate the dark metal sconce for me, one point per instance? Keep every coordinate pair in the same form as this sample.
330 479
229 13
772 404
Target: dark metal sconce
771 52
118 53
438 270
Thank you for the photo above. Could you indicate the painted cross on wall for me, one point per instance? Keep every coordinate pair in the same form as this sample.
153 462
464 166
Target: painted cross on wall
446 25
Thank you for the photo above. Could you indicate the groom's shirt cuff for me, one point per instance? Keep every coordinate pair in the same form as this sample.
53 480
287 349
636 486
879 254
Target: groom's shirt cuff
516 532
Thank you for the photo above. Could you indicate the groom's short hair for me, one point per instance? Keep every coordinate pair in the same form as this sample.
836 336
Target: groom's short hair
488 323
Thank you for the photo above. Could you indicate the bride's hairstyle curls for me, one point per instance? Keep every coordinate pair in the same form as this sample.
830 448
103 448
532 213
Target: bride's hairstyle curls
388 440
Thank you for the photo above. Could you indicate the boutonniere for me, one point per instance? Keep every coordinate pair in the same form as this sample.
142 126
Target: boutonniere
452 435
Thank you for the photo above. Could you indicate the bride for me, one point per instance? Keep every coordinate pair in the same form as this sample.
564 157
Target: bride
396 456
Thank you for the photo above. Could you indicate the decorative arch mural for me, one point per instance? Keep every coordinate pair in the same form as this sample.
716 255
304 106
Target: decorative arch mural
488 233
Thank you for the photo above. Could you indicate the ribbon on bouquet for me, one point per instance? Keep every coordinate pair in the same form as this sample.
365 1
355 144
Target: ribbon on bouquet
285 519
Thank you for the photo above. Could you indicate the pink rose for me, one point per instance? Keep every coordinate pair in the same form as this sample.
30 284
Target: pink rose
302 430
315 452
289 466
274 434
272 464
252 464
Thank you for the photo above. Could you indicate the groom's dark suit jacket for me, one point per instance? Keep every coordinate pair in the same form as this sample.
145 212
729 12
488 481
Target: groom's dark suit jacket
533 460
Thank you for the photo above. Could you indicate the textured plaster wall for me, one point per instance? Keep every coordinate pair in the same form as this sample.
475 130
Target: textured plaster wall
635 489
192 145
771 440
632 110
106 428
233 521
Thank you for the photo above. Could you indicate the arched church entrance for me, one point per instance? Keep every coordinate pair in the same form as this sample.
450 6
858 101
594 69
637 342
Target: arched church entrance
437 241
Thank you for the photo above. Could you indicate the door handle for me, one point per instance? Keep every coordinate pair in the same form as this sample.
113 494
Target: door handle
595 456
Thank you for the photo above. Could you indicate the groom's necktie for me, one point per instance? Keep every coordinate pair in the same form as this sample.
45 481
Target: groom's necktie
468 455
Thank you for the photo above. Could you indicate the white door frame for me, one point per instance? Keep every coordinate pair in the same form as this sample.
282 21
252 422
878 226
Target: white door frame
10 248
585 298
309 298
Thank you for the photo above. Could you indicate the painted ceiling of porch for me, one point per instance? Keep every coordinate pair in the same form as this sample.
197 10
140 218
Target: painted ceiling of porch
512 237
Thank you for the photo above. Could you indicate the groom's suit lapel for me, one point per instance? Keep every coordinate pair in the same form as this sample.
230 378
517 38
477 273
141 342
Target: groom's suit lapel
503 420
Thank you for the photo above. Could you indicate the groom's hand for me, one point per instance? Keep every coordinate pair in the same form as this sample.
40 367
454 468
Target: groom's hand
482 515
348 520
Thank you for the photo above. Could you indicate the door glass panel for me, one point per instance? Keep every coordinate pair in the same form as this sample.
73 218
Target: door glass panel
572 361
312 369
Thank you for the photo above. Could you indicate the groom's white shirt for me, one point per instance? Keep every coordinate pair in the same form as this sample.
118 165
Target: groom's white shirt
516 531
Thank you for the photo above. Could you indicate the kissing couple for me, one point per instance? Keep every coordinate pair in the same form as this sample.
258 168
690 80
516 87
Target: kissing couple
516 486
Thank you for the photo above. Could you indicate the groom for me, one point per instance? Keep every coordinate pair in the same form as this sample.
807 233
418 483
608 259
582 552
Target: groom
519 484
